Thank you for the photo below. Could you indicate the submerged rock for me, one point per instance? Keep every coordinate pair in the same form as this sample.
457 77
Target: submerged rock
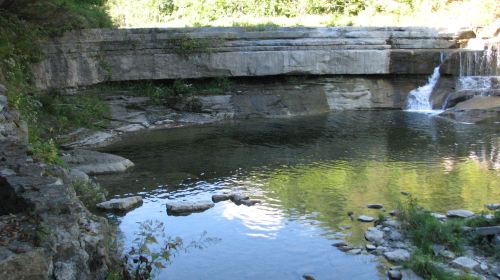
366 219
92 162
394 274
187 207
220 197
460 213
397 256
250 202
375 206
120 204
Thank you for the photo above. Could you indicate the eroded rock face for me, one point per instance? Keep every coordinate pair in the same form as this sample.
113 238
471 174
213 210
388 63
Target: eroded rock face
149 54
55 236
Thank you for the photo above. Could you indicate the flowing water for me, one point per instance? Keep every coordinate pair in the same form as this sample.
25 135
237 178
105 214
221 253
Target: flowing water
308 172
419 99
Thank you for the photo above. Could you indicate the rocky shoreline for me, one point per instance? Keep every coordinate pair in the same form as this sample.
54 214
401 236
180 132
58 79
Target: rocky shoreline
388 239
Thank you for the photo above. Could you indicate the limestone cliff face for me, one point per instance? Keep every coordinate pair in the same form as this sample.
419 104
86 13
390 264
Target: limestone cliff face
88 57
45 231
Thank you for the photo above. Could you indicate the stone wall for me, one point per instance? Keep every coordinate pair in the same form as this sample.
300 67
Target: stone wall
88 57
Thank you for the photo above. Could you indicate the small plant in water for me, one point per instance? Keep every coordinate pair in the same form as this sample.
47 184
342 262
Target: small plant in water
153 250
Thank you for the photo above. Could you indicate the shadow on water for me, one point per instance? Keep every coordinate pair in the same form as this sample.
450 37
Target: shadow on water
308 172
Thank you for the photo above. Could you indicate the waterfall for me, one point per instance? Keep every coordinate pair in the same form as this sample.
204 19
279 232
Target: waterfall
419 99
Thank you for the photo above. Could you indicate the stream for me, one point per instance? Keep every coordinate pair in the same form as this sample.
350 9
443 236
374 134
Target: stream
308 172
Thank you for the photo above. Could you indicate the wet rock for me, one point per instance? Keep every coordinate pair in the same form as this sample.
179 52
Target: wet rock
460 213
308 277
375 206
374 235
92 162
394 274
120 204
397 256
249 202
237 198
465 263
493 206
339 243
380 250
366 219
186 207
220 197
437 249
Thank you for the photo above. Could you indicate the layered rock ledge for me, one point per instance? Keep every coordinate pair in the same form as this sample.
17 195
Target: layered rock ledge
87 57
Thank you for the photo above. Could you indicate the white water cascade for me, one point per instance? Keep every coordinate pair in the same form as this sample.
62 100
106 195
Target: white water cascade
419 99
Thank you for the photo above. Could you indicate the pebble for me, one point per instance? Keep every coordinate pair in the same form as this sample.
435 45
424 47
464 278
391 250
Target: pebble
308 277
374 235
356 251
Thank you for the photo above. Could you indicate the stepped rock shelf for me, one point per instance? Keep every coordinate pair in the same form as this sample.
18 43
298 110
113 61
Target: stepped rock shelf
87 57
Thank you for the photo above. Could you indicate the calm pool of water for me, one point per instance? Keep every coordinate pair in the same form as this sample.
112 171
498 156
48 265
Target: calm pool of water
308 172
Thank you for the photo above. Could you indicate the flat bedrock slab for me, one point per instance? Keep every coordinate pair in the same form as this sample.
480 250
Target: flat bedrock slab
187 207
92 162
459 213
120 204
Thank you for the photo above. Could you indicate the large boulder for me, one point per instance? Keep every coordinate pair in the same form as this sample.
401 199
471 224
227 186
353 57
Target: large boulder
478 109
187 207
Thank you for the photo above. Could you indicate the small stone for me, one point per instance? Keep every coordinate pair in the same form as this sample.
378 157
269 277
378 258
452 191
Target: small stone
7 172
366 219
395 236
464 263
438 216
394 274
237 198
437 248
397 256
339 243
375 206
392 223
356 251
370 247
374 235
483 267
447 254
493 206
350 213
120 204
380 250
394 212
386 229
345 248
405 193
460 213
